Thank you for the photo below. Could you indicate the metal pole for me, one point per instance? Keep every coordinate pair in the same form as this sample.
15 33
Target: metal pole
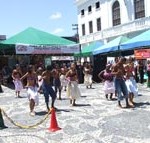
77 39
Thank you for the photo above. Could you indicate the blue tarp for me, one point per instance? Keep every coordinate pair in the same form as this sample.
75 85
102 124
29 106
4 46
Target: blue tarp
141 40
111 46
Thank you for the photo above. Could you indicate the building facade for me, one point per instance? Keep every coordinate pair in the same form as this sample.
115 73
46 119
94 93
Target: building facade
104 20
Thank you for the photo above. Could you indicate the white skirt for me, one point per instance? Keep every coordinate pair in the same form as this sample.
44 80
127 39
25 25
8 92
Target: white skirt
33 94
73 90
63 80
40 81
87 79
109 87
132 86
18 85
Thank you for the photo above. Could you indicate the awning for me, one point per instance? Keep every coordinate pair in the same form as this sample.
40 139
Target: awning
111 46
141 40
88 49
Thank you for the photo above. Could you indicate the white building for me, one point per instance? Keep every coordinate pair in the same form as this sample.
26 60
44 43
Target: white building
104 20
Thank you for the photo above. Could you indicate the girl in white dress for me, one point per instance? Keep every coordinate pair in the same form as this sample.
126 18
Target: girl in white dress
130 81
87 76
107 77
17 82
72 88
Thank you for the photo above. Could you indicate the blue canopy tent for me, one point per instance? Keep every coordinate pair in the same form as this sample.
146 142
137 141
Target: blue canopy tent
141 40
111 46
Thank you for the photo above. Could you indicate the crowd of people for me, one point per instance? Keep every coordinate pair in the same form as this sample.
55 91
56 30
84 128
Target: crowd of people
41 81
120 81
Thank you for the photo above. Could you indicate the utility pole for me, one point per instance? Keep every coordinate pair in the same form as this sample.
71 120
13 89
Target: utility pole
75 27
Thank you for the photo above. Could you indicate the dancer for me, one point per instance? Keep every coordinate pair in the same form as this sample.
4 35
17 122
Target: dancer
130 81
40 80
72 88
107 77
119 72
47 87
56 80
63 79
32 90
16 75
87 75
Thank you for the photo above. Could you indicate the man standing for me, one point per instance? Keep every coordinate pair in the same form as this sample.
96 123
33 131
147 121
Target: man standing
56 80
119 73
47 87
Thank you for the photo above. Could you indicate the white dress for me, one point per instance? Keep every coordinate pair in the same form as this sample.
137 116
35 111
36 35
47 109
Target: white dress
73 90
132 86
18 84
63 80
109 87
33 94
40 82
87 78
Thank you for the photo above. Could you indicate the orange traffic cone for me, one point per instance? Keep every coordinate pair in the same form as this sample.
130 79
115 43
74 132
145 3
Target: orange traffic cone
53 123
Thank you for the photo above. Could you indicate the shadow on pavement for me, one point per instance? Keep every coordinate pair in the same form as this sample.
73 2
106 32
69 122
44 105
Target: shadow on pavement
80 105
140 104
62 99
113 99
64 110
41 113
84 96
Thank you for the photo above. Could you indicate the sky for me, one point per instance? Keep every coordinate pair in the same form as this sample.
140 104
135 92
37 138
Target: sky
52 16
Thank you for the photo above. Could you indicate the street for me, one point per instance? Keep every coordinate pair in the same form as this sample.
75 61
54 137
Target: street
93 120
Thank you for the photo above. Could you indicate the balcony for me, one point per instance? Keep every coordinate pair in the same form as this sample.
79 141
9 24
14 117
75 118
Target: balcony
137 25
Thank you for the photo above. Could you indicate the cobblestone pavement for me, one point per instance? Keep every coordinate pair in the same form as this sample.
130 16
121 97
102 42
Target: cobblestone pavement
93 120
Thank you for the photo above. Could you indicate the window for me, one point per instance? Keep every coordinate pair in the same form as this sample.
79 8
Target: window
83 29
116 13
90 27
90 8
82 12
97 5
139 9
98 21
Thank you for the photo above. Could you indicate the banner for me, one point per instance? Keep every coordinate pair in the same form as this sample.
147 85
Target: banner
62 58
36 49
142 53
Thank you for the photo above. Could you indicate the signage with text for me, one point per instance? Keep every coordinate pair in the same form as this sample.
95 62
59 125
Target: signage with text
142 53
32 49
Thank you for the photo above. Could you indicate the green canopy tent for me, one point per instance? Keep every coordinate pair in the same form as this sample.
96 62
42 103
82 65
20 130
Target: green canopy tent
34 36
37 37
88 50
